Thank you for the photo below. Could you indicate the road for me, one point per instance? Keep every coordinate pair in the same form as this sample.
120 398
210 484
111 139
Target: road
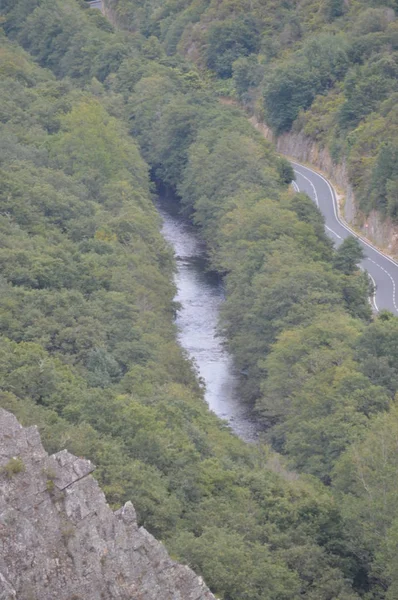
382 269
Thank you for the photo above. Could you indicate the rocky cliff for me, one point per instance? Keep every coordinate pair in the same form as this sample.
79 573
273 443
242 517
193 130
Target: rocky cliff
60 540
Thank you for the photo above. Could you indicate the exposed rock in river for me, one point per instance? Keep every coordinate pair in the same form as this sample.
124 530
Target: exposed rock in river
59 538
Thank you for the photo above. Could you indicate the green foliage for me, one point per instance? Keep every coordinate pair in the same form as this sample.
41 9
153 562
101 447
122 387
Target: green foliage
285 169
88 349
247 73
300 354
289 89
365 482
217 553
385 178
332 9
292 86
13 467
377 352
348 255
229 41
365 88
324 68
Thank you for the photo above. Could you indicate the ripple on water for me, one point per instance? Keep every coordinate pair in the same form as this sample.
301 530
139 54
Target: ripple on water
200 295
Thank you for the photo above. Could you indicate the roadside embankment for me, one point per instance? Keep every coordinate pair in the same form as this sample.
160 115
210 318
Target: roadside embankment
382 233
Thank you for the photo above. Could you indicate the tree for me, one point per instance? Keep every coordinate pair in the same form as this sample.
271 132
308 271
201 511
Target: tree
366 485
288 89
348 255
332 9
377 352
384 180
228 41
285 170
247 72
303 353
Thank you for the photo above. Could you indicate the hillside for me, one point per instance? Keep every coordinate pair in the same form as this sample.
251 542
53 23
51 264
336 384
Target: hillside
325 68
92 120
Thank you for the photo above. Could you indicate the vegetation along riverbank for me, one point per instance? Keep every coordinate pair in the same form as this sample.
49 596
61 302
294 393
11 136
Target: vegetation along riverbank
90 117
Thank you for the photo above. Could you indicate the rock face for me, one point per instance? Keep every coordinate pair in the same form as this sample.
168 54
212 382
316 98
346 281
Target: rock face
60 540
382 232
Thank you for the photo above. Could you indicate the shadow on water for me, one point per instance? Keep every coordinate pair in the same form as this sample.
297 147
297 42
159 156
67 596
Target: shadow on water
200 295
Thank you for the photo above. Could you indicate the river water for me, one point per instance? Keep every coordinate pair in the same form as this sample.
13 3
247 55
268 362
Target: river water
200 294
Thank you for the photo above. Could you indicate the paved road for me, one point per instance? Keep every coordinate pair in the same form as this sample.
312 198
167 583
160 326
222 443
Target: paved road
382 269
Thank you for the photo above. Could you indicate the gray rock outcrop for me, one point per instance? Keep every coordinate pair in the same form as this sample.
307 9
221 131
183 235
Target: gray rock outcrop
60 540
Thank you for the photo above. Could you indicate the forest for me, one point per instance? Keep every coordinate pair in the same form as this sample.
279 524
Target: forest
93 120
326 68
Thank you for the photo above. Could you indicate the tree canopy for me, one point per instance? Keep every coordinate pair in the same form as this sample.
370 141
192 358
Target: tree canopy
91 121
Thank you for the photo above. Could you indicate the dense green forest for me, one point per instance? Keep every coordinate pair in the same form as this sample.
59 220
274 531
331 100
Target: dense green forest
91 119
328 68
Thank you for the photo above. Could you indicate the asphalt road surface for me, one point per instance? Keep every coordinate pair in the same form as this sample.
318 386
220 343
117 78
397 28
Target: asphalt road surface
382 269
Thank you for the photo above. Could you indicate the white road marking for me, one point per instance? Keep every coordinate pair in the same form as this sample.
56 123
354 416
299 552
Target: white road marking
312 185
334 233
374 293
390 276
316 199
339 219
347 228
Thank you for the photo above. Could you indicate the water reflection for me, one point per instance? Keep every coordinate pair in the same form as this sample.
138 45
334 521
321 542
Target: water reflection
200 294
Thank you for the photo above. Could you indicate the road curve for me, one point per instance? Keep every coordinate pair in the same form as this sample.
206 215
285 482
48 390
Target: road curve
382 269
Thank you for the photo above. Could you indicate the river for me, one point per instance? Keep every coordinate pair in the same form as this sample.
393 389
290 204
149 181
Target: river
200 294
